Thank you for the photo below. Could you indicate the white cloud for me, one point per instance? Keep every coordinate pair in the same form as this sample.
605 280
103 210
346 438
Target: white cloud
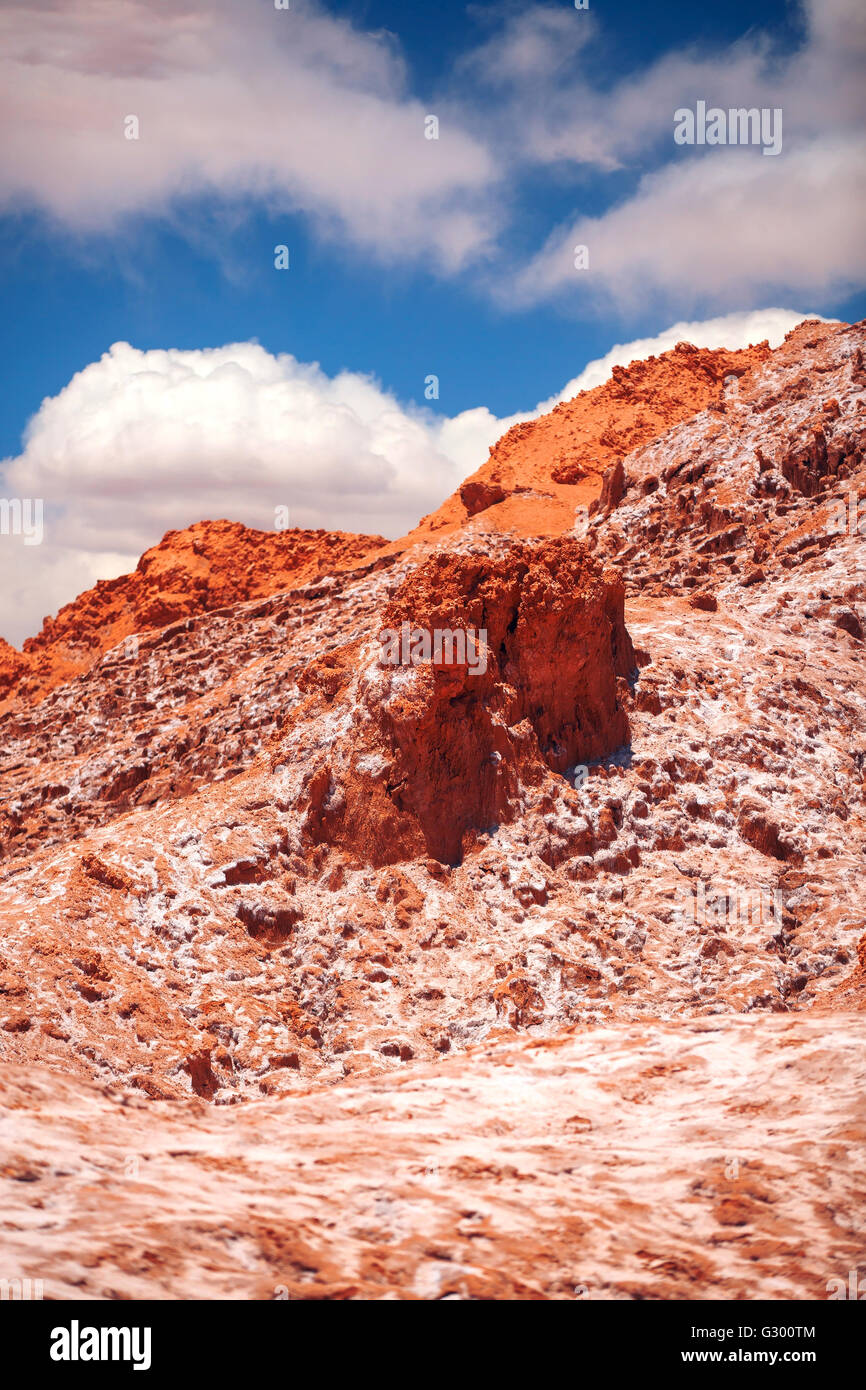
294 107
140 443
533 45
572 118
704 227
299 111
702 232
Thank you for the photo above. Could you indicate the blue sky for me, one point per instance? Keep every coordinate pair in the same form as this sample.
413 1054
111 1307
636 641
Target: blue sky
408 257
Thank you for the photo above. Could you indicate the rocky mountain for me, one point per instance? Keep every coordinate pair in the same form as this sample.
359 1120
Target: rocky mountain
585 899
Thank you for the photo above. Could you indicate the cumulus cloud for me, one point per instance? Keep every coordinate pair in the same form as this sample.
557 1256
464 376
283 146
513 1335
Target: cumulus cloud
295 108
140 443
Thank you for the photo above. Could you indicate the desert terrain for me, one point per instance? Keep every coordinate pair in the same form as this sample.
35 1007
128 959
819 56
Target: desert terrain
323 977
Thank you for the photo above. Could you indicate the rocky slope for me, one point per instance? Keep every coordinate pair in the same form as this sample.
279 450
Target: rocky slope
244 856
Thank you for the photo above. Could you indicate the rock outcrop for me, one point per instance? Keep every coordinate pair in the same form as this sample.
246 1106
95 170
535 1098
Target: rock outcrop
541 472
442 747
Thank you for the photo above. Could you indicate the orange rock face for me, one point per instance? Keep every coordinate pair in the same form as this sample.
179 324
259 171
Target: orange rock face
210 565
12 667
441 749
542 471
591 886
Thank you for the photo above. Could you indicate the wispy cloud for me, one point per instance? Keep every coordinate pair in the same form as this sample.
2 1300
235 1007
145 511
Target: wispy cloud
300 110
705 227
292 107
698 235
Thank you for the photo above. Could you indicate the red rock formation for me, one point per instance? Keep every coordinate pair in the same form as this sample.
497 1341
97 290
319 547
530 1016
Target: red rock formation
442 749
12 667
